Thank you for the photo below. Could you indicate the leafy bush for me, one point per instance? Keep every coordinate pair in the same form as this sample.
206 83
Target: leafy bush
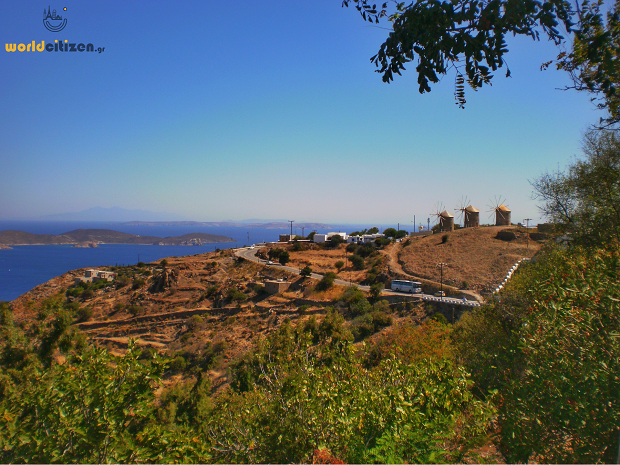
385 415
137 284
236 295
178 363
334 241
326 282
284 258
352 247
357 262
444 238
339 264
84 313
87 294
400 234
376 289
369 323
306 272
95 408
135 310
390 232
382 241
195 323
121 281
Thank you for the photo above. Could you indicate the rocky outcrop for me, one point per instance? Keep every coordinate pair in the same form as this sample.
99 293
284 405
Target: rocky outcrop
166 279
506 235
86 244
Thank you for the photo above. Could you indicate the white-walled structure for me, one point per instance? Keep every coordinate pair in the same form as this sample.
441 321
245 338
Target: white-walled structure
326 237
363 239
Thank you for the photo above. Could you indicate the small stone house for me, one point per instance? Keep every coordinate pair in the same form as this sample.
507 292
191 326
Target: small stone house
276 286
91 276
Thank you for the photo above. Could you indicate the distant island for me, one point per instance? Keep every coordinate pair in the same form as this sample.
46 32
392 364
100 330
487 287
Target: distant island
81 237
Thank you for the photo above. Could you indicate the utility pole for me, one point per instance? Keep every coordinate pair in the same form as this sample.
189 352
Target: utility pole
428 224
248 238
441 265
528 231
291 221
303 228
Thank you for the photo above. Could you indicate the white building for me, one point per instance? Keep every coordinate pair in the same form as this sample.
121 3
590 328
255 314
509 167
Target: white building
363 239
326 237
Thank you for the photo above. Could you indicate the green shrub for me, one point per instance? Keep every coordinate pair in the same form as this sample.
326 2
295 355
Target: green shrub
87 294
195 323
444 238
339 264
121 281
357 262
352 247
178 363
326 282
135 310
306 272
236 295
137 284
84 313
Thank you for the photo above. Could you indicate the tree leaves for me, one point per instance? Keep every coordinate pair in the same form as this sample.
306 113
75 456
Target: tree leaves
467 36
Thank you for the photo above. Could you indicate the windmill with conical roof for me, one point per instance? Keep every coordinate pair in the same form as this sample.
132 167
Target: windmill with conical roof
444 218
502 212
469 214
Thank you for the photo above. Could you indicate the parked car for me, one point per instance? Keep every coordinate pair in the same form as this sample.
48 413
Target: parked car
269 262
440 294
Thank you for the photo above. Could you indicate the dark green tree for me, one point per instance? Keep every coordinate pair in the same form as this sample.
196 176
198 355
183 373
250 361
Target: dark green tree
284 257
400 234
390 232
357 262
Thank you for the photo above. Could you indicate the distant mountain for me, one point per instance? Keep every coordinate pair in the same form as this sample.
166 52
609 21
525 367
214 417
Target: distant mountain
113 214
276 225
106 236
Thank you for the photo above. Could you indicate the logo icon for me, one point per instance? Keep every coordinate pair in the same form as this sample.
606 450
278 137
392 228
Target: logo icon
52 21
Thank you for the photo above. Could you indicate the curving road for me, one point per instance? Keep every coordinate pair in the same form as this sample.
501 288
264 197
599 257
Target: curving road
249 253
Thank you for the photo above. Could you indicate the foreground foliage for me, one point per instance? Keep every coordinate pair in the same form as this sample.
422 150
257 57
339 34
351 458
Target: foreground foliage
550 347
96 408
316 394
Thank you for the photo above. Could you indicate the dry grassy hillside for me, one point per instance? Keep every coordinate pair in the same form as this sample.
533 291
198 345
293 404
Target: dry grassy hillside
203 305
475 258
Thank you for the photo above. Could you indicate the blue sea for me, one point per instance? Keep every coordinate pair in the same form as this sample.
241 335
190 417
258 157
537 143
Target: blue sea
24 267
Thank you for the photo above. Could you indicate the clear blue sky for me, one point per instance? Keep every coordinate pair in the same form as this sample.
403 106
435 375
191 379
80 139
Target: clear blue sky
234 110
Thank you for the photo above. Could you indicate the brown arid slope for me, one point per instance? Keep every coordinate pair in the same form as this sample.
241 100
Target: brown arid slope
323 260
475 258
211 299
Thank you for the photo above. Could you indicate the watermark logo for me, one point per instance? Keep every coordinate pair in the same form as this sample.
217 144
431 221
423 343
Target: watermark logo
52 21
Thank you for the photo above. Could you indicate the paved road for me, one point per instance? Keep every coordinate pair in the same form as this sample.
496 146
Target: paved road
250 254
